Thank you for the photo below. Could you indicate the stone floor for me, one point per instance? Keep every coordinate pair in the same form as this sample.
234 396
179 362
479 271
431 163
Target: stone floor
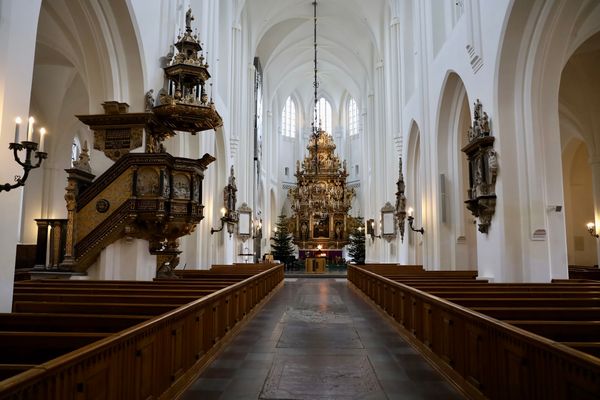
317 339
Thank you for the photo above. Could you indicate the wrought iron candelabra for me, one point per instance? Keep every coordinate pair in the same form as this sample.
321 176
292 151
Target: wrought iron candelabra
30 148
411 219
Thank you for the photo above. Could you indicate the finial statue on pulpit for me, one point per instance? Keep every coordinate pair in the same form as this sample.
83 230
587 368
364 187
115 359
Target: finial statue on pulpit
149 100
188 20
83 163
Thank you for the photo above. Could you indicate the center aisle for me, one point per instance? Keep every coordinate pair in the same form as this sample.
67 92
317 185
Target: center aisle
317 339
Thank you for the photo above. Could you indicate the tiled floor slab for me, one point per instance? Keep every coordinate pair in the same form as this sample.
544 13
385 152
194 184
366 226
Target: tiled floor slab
317 339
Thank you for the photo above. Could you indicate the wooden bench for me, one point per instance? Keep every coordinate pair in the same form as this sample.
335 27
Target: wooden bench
496 340
36 322
134 339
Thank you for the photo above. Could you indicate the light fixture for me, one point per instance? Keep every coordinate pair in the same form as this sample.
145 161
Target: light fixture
591 227
30 147
371 229
411 220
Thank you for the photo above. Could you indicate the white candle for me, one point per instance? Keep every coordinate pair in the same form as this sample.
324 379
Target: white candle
30 129
17 127
42 133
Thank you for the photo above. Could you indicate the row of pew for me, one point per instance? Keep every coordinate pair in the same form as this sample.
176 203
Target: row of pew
526 331
584 272
158 334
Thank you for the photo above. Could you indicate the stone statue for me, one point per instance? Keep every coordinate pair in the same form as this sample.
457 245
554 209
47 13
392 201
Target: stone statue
230 193
477 111
188 20
83 163
149 100
492 166
485 124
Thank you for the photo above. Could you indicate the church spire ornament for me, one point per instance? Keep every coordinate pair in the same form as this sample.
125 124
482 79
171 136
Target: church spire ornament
186 106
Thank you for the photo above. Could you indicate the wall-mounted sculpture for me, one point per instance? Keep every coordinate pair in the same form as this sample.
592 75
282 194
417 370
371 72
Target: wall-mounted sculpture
483 169
229 214
400 202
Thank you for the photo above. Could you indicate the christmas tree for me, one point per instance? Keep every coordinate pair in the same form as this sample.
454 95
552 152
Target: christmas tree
356 248
282 247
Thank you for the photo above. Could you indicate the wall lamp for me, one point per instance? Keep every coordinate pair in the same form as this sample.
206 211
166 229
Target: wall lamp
411 220
591 227
30 148
371 228
225 219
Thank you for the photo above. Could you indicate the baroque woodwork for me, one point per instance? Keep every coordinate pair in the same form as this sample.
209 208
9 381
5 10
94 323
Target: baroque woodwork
186 106
320 200
155 197
483 169
400 202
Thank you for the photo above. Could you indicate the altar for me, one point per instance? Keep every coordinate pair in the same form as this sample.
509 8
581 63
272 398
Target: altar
330 255
315 265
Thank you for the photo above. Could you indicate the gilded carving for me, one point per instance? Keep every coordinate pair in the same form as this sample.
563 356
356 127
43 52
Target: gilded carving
102 206
148 182
181 186
88 218
321 200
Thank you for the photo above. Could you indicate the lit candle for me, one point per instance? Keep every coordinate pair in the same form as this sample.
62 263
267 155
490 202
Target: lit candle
410 211
17 127
42 133
30 129
223 211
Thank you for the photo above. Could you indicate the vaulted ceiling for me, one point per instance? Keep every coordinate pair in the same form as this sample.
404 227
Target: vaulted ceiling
349 38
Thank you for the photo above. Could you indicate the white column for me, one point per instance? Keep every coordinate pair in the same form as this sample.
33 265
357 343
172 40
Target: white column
18 29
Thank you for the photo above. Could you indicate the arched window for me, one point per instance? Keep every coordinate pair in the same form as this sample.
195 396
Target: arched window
324 115
288 118
352 113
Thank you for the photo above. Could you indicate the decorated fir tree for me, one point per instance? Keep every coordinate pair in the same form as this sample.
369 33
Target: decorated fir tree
356 248
282 247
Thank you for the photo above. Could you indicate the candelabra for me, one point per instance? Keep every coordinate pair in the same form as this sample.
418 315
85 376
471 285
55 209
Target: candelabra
411 219
30 148
591 227
371 230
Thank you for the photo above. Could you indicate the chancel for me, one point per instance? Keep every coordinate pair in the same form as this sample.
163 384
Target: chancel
276 199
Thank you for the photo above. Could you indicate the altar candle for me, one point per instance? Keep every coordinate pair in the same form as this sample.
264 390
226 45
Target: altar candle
30 129
42 133
17 127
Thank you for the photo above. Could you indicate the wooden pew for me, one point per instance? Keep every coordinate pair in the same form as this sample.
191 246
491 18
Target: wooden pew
541 313
140 339
37 322
39 347
544 331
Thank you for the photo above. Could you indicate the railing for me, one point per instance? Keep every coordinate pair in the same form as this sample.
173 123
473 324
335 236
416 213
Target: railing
482 356
158 358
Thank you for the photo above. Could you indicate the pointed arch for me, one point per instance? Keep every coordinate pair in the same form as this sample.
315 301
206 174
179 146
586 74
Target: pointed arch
413 179
458 236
